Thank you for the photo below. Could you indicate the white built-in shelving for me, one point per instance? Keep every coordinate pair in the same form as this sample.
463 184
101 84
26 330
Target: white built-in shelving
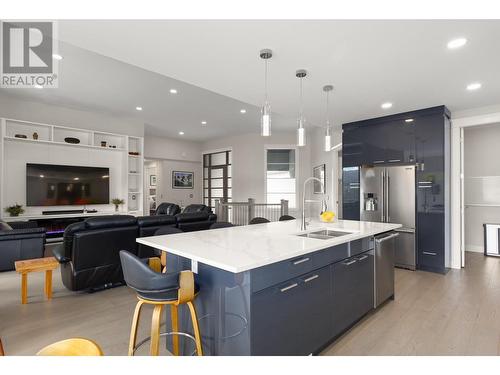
29 135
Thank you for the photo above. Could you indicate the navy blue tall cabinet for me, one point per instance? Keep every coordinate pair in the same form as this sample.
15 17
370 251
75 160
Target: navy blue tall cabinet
420 138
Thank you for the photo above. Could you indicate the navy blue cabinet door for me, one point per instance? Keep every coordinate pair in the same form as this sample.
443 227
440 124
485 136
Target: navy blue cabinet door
352 290
352 147
430 148
294 317
350 193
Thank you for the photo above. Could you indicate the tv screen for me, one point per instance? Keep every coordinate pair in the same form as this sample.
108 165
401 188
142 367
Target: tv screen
63 185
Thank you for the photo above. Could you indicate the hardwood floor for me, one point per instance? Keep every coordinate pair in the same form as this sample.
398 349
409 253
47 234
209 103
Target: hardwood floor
455 314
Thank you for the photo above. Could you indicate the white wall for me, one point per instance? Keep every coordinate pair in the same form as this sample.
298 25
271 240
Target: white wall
248 162
56 115
175 155
330 159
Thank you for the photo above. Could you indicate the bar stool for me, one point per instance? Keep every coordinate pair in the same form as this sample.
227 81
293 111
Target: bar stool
286 218
72 347
160 289
221 224
259 220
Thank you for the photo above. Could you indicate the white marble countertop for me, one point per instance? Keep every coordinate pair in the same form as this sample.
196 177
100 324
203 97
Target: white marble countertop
243 248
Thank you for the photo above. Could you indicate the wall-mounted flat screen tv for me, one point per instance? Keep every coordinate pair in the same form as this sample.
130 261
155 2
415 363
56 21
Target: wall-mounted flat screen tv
65 185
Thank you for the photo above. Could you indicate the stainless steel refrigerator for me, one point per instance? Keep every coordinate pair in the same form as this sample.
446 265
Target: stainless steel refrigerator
387 194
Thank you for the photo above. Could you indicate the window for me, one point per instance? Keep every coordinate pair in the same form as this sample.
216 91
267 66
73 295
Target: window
280 176
216 177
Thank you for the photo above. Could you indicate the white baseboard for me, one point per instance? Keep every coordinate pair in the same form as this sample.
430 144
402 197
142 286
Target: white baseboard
474 248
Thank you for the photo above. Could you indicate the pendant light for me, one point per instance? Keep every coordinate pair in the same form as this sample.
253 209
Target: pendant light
328 138
265 119
301 131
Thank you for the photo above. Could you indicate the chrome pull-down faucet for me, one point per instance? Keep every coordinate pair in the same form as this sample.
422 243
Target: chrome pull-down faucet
324 205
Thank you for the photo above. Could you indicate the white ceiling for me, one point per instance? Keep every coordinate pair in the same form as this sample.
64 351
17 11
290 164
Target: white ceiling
368 62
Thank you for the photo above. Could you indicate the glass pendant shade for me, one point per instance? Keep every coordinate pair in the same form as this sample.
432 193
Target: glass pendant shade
328 140
265 120
301 132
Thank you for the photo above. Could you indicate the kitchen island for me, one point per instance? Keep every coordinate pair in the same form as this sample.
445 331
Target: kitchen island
272 289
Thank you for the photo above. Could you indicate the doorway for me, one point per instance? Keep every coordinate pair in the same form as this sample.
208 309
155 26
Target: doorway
480 184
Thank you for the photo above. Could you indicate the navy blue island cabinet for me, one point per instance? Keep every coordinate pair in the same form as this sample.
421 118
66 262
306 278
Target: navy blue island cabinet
420 138
293 307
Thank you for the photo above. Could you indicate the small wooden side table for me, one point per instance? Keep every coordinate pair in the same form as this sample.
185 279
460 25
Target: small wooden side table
36 265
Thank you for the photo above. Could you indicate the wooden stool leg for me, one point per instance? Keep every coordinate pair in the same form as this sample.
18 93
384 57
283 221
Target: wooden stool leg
163 260
155 330
196 328
48 284
133 330
24 288
174 315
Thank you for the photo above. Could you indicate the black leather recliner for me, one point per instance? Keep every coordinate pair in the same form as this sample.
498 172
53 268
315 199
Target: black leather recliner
195 217
165 208
89 255
148 226
19 244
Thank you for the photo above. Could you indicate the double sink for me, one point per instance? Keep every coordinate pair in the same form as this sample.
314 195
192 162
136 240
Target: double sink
325 234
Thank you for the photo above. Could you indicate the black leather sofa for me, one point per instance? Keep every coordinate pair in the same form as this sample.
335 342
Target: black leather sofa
195 217
89 253
165 208
19 242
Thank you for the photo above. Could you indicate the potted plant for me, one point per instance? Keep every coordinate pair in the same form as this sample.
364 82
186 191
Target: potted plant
15 210
117 202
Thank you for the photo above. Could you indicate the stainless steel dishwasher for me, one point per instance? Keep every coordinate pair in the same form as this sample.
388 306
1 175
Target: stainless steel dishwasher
385 247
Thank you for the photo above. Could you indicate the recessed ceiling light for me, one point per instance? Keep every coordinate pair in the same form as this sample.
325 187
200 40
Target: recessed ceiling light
473 86
409 120
138 108
386 105
173 91
457 43
38 87
55 56
203 122
181 133
243 111
76 178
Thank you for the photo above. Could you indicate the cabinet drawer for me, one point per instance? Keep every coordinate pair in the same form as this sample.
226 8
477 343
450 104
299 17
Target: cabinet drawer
361 245
276 273
292 318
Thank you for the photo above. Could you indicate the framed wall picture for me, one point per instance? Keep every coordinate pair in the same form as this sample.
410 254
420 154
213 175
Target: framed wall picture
152 180
182 180
319 172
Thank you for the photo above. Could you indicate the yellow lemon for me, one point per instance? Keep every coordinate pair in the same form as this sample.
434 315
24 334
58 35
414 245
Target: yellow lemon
327 216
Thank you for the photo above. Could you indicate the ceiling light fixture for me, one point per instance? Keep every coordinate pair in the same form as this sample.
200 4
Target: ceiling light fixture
386 105
457 43
203 122
173 91
265 118
474 86
56 56
301 131
409 120
181 133
243 111
328 137
138 108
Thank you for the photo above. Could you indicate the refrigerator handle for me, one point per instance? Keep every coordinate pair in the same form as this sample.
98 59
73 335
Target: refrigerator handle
388 189
382 195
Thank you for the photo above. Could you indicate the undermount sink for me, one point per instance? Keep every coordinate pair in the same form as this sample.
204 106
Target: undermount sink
324 234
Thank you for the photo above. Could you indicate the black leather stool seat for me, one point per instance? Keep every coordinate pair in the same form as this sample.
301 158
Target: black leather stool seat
165 295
